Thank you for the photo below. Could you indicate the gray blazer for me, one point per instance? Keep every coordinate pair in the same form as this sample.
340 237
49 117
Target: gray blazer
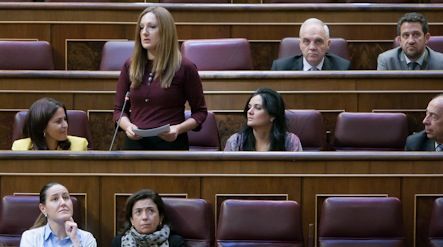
392 60
332 62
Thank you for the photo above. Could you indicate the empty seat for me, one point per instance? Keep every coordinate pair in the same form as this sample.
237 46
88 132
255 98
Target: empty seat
378 1
435 43
291 46
299 1
192 219
77 120
218 54
259 223
371 131
207 138
18 213
308 126
115 53
339 1
26 55
361 221
88 1
436 224
195 1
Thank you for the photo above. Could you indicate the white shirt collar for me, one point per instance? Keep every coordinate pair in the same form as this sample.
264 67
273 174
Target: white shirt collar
307 66
419 60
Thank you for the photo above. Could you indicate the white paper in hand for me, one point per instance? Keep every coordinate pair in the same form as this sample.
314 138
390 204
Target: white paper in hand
152 132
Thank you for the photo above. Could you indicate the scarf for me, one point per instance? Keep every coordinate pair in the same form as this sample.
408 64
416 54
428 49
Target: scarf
156 239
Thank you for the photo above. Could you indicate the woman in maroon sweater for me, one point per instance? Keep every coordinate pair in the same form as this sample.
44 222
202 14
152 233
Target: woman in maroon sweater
159 81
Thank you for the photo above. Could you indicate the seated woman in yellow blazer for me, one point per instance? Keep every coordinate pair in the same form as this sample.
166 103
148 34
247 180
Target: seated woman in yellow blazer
46 127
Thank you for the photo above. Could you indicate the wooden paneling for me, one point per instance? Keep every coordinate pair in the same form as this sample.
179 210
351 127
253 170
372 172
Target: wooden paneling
414 204
189 186
106 178
86 187
342 186
330 93
63 24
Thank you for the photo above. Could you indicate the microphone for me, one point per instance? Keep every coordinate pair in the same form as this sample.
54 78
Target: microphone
119 118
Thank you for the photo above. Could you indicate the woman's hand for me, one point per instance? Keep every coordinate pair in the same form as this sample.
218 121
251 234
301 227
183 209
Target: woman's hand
71 231
171 135
130 132
128 127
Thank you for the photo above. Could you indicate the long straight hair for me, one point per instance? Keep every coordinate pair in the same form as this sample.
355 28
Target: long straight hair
274 105
167 54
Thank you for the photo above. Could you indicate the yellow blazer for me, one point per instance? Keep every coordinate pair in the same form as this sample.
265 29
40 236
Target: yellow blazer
77 144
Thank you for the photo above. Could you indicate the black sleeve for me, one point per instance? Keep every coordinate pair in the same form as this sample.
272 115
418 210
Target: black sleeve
117 241
176 241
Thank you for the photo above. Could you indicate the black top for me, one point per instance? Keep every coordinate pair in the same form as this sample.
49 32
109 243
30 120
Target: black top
419 142
331 62
174 241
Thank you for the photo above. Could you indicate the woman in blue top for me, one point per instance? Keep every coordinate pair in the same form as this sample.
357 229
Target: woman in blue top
55 225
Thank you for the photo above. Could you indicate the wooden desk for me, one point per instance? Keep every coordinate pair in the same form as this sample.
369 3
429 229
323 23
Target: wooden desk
77 31
102 180
331 93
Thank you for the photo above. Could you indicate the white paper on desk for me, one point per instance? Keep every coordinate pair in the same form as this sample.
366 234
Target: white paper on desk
152 132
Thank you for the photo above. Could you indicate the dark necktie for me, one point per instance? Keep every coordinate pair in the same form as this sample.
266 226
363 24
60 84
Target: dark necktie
313 68
414 66
439 148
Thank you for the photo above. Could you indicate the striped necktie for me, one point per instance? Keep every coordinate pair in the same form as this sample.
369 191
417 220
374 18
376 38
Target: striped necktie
313 68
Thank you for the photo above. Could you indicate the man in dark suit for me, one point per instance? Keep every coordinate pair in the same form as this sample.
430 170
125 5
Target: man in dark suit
314 44
430 139
413 52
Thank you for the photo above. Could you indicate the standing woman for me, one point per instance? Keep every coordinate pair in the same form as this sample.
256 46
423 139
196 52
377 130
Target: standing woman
46 128
265 129
159 81
55 225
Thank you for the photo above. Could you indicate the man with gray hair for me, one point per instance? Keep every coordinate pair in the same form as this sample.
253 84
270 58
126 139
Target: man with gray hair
314 45
430 139
413 52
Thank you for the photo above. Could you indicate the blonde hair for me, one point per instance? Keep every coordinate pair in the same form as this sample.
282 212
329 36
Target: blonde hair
167 58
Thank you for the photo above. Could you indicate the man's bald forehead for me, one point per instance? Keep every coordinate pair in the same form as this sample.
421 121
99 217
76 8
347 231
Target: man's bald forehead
438 100
314 22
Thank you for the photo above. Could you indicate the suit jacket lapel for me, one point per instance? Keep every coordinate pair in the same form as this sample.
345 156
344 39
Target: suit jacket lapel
402 59
327 65
426 64
430 145
298 64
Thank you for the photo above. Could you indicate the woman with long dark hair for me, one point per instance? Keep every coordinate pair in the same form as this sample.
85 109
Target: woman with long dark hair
265 128
46 128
